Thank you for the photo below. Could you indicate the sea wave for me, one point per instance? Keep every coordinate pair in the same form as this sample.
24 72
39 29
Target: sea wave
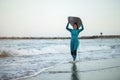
13 52
7 52
93 48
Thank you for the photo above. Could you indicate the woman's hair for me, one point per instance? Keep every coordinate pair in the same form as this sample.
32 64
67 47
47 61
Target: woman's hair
76 24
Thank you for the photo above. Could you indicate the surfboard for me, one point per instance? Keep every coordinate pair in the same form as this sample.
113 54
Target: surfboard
73 20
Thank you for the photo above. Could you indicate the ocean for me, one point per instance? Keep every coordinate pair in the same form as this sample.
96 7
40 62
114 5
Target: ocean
21 58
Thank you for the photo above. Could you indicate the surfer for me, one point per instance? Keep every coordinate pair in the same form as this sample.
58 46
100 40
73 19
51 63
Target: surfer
74 43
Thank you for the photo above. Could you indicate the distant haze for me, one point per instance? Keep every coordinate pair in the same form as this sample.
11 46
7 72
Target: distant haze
49 17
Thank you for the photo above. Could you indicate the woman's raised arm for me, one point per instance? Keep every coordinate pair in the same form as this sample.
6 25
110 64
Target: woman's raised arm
67 27
82 28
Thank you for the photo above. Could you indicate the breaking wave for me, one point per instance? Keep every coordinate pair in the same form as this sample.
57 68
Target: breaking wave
8 52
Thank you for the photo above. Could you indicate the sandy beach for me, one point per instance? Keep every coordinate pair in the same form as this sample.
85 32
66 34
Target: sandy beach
107 69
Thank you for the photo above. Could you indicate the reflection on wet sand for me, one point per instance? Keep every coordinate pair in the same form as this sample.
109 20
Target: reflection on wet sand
74 75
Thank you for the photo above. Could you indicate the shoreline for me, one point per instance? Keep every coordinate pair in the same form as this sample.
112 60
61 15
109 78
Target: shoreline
90 70
82 37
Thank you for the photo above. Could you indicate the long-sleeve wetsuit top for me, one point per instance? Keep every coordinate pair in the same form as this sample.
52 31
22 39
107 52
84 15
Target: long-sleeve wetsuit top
74 32
74 37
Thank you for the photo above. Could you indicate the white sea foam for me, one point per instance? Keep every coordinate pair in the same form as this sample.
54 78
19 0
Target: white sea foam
14 52
48 49
55 49
26 52
93 48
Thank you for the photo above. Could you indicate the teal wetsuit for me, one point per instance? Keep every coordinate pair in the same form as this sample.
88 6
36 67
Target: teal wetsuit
74 43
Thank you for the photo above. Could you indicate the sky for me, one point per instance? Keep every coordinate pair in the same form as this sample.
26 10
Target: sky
48 18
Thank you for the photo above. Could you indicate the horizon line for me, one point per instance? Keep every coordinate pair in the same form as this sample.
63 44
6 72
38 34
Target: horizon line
82 37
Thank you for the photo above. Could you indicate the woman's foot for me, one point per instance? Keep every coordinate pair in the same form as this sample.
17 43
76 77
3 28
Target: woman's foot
74 57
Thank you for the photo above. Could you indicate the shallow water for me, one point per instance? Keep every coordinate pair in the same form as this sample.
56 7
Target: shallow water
30 57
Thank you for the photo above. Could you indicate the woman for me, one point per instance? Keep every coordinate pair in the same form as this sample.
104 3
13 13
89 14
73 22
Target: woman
74 39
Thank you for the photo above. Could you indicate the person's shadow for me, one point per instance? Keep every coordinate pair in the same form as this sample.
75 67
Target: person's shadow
74 75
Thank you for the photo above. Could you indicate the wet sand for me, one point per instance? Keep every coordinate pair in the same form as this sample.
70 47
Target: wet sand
107 69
